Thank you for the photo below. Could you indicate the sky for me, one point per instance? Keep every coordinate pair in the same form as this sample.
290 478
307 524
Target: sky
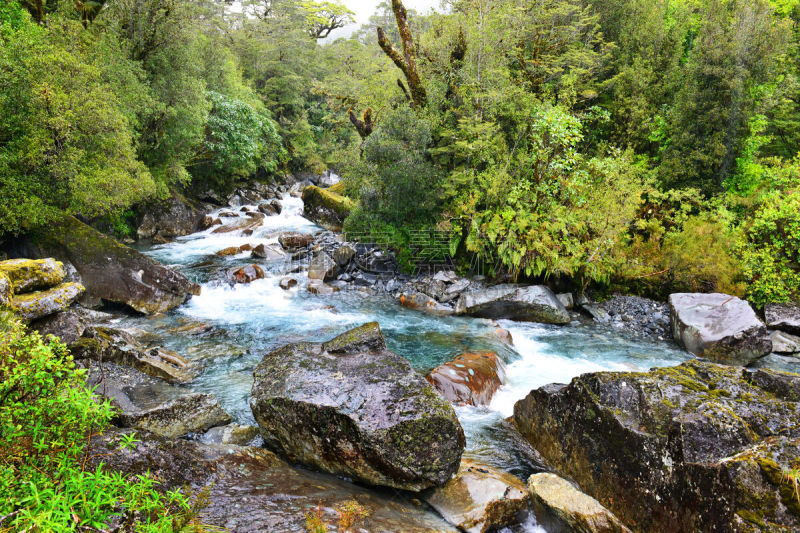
365 8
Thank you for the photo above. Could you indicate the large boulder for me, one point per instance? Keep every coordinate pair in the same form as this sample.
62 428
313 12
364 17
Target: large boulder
718 327
785 343
68 326
349 406
470 379
556 500
252 490
174 217
292 240
107 344
28 275
785 317
110 271
480 498
192 413
535 303
326 208
35 305
697 447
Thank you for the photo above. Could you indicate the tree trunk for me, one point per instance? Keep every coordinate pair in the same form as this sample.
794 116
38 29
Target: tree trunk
407 61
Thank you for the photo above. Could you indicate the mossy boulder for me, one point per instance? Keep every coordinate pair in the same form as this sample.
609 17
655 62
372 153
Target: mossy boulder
173 217
28 275
35 305
110 271
351 407
690 448
325 207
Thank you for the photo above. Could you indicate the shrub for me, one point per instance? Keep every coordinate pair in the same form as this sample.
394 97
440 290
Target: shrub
47 419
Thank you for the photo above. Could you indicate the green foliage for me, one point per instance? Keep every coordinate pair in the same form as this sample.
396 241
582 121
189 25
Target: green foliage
47 419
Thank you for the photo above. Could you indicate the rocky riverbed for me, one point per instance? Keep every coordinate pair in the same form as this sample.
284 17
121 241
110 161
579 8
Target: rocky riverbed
248 342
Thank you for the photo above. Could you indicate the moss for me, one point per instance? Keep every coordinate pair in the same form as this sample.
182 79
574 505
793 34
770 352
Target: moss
774 474
32 274
316 196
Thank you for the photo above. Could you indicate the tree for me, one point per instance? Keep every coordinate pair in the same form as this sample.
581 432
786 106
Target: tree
324 17
407 61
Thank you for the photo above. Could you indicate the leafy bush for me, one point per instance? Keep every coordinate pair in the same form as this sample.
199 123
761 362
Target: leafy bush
47 419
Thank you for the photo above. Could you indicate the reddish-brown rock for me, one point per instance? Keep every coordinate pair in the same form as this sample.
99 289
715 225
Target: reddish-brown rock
247 274
471 378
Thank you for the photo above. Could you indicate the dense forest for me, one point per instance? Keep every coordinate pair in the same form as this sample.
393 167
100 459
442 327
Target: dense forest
645 144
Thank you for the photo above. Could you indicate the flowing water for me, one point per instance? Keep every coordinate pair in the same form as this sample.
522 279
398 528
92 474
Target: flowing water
250 320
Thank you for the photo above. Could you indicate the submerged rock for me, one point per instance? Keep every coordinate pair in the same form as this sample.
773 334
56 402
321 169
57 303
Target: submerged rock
718 327
535 303
325 207
351 407
252 490
34 305
232 434
689 448
110 271
470 379
117 346
243 224
480 498
192 413
785 317
28 275
557 500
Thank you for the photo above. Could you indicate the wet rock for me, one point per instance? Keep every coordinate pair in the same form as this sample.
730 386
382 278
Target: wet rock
252 490
319 287
597 312
785 317
718 327
269 252
67 326
192 413
480 498
633 315
446 276
351 407
326 208
231 434
344 254
190 327
28 275
34 305
110 271
503 335
322 267
784 343
566 300
287 283
174 217
242 224
247 274
270 208
101 343
534 303
234 250
423 302
688 448
470 379
436 289
292 241
557 499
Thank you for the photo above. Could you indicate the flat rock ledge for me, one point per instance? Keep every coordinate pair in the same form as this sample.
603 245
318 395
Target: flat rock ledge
697 447
535 303
351 407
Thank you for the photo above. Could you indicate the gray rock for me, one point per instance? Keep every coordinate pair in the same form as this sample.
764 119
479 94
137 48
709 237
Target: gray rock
534 303
66 325
718 327
34 305
596 312
323 268
344 254
480 498
458 287
269 252
174 217
422 302
351 407
556 499
231 434
193 413
447 276
785 317
319 287
566 300
784 343
6 293
292 241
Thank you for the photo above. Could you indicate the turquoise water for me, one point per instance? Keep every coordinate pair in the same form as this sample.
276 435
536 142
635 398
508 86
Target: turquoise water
250 320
